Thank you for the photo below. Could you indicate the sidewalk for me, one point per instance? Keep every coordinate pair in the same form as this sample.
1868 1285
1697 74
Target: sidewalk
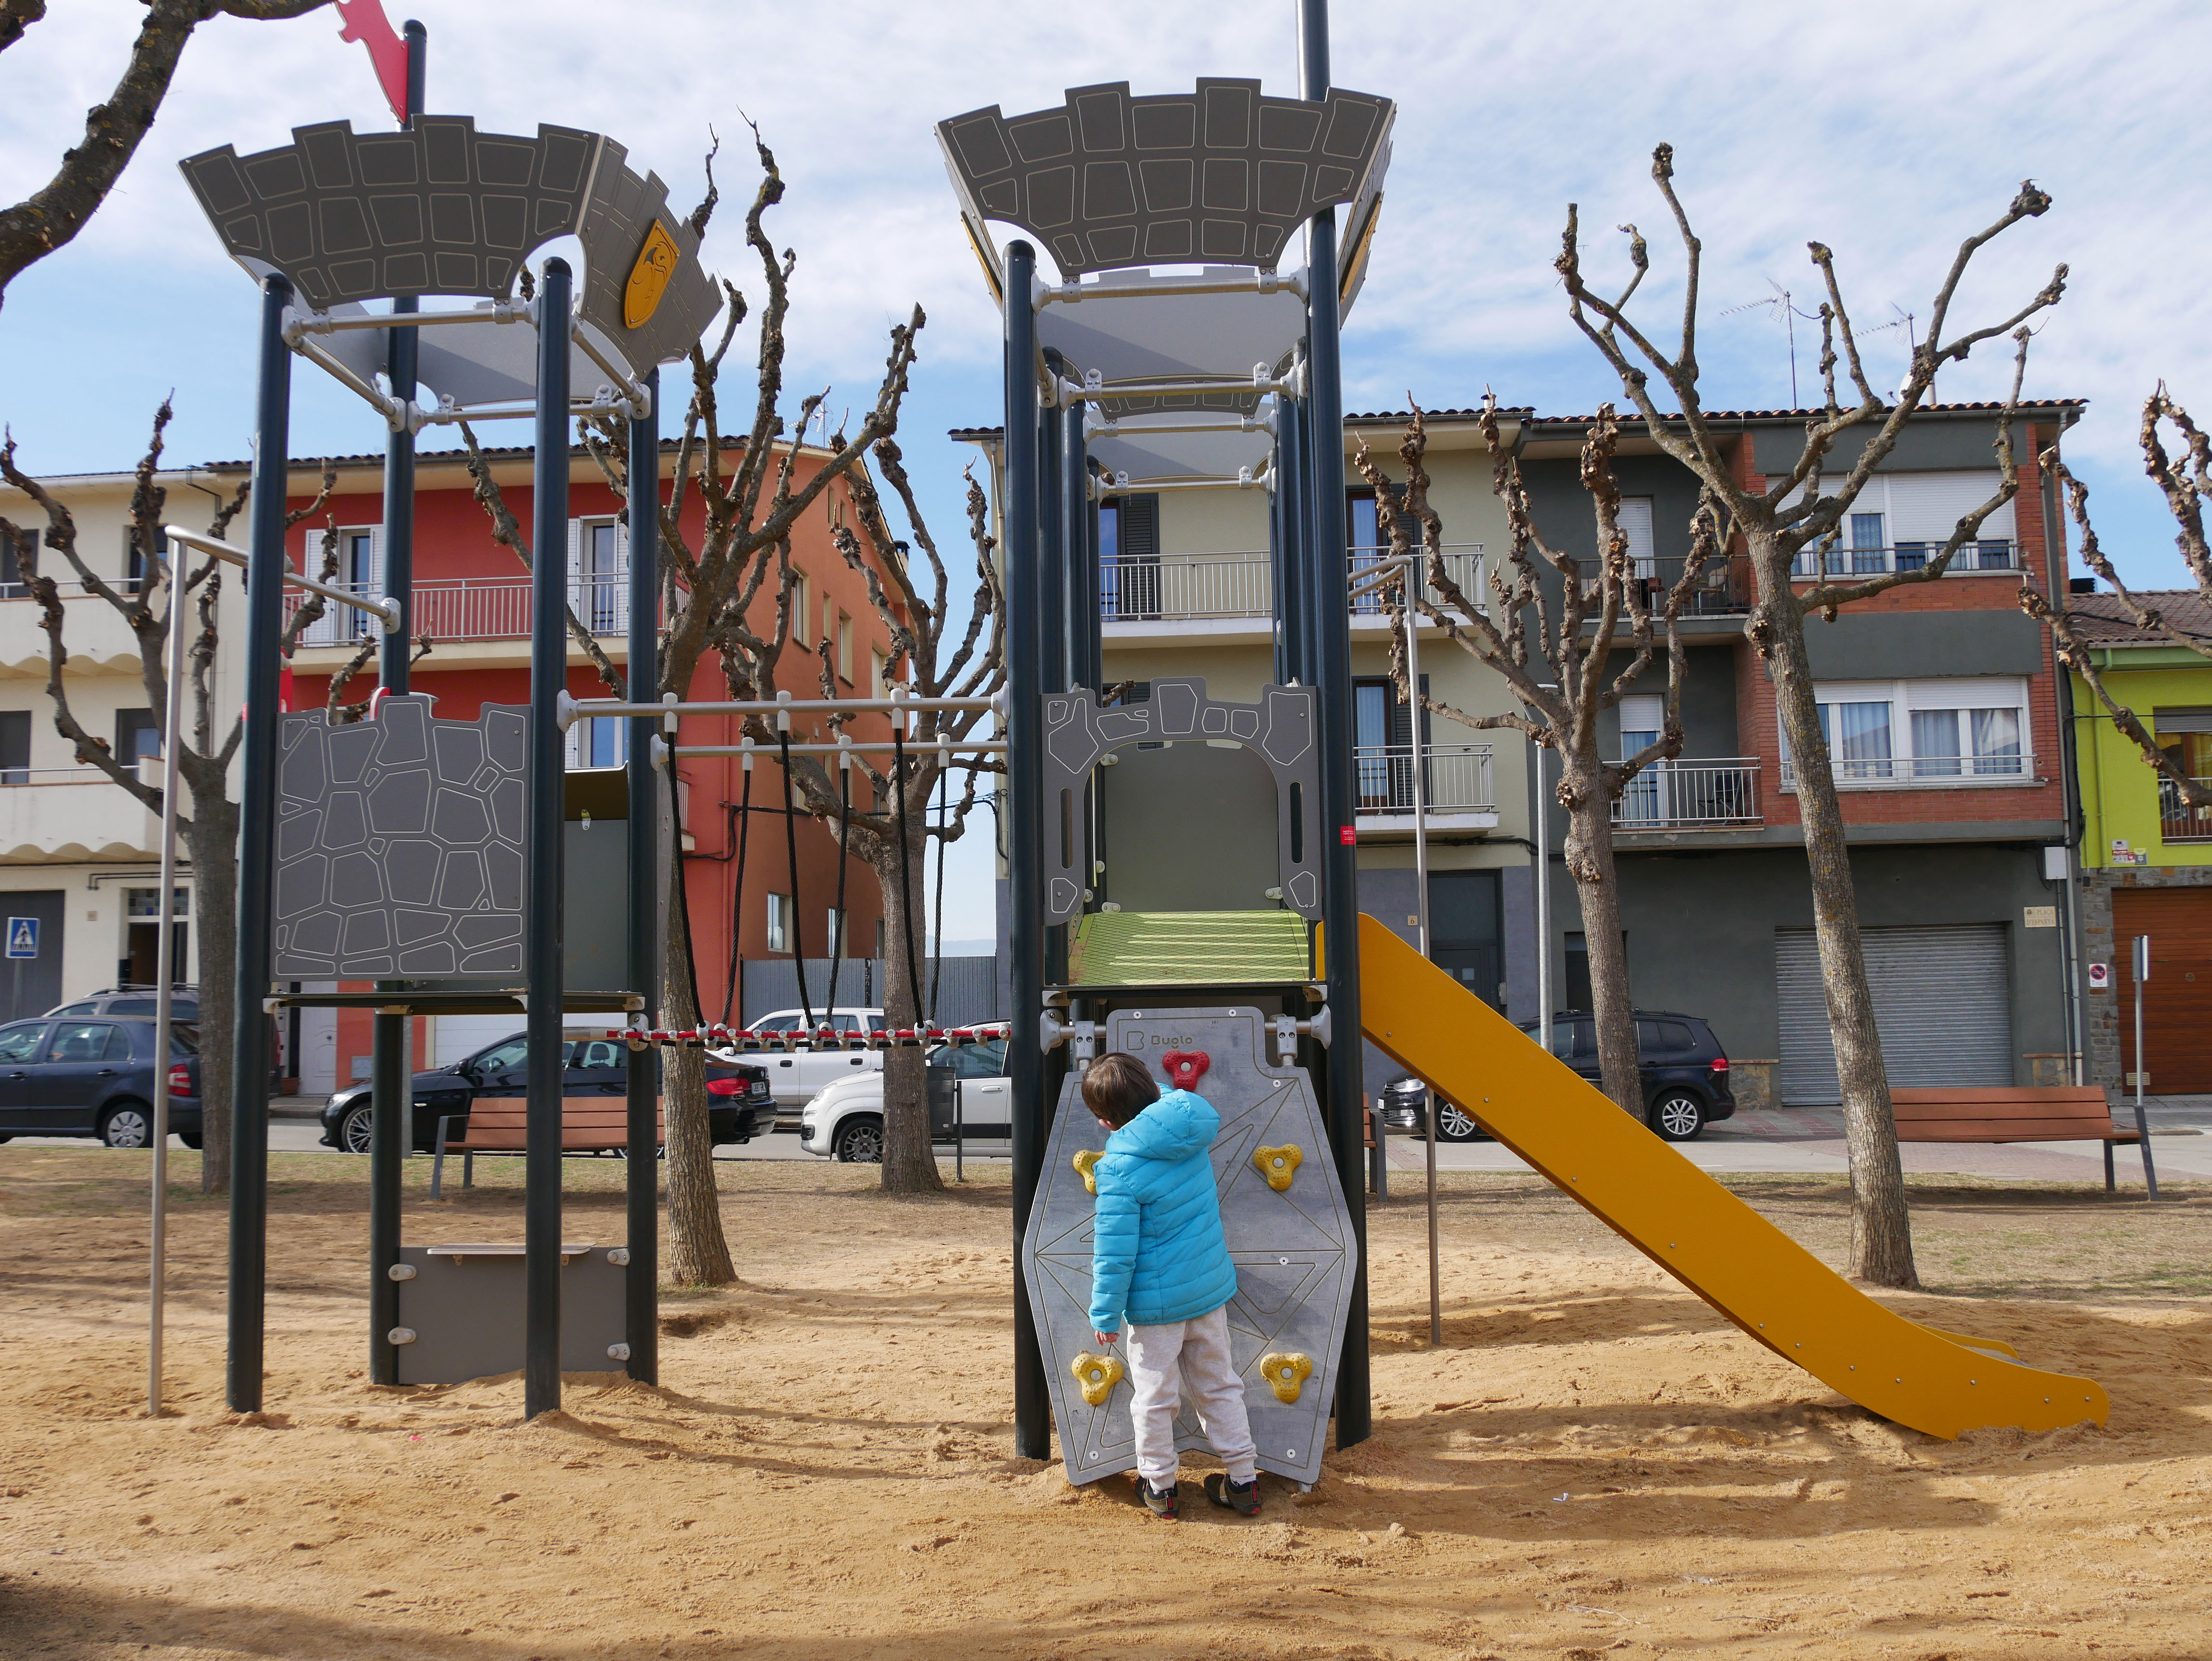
1809 1141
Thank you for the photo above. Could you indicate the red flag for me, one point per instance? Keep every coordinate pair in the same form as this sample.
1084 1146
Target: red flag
365 21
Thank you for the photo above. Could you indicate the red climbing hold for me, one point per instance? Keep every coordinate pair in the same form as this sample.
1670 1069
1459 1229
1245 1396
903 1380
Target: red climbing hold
1185 1067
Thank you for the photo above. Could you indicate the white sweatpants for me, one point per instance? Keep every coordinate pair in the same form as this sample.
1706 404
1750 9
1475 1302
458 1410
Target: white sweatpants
1187 1357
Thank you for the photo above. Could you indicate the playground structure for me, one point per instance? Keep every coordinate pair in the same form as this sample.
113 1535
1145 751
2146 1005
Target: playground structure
426 855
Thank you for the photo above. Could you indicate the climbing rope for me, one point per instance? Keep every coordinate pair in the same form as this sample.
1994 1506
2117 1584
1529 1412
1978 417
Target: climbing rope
682 918
906 887
791 852
944 819
837 928
738 892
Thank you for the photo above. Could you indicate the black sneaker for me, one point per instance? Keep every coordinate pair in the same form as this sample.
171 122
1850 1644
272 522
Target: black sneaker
1160 1501
1242 1498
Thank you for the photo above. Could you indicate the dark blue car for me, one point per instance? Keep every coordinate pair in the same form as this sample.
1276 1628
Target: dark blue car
79 1075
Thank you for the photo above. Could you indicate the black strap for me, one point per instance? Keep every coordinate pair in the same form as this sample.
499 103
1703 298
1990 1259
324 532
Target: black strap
906 885
943 821
791 852
682 917
837 928
737 894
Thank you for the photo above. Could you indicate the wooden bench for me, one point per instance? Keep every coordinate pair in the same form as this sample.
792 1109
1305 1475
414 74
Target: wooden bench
2043 1113
500 1124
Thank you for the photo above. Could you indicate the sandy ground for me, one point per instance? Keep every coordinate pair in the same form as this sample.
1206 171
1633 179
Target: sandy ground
1592 1464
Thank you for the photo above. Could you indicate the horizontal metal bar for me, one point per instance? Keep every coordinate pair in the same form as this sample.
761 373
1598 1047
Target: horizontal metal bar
393 411
1255 281
1138 427
919 747
384 607
1071 393
572 710
500 311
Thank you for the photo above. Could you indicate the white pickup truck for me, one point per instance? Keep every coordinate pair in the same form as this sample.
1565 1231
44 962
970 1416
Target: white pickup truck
794 1077
968 1092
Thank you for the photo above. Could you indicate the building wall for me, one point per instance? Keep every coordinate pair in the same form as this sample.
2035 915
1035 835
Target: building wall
2119 789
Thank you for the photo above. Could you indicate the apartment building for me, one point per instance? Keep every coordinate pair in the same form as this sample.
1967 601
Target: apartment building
2146 856
79 857
1943 709
71 844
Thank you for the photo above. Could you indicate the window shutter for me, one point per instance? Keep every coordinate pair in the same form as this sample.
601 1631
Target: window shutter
1140 526
375 581
1636 526
1928 507
574 742
317 544
576 569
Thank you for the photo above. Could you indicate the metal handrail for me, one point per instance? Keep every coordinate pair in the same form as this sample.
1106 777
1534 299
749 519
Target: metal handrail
2177 820
1876 771
1455 777
1981 554
1174 587
1700 793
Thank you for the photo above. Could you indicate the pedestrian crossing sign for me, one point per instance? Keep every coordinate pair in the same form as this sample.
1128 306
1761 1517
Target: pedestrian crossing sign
22 937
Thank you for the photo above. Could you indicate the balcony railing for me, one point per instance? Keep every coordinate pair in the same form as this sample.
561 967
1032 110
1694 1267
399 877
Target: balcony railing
1691 795
1724 587
1181 587
1990 554
473 608
1890 772
1455 778
2177 820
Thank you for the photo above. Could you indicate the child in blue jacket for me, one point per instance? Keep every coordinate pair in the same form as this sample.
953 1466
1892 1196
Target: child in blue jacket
1159 1258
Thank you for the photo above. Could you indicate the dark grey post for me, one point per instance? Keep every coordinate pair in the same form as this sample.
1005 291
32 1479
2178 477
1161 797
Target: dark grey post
549 675
1052 552
1331 610
257 857
1079 549
1293 506
392 1078
1025 623
642 1282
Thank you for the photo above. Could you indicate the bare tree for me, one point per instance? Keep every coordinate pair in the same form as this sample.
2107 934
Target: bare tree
1558 666
210 830
2186 485
1790 515
751 491
35 226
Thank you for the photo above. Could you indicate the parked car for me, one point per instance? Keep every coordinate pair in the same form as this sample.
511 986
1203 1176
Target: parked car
184 1002
740 1107
795 1077
1685 1073
967 1087
76 1076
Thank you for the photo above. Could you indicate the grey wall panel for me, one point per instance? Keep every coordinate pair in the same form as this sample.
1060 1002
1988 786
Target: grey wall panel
399 844
1904 645
1224 174
1189 828
1294 1249
466 1314
1930 443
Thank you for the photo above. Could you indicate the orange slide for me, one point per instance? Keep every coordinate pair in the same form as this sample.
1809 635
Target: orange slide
1665 1207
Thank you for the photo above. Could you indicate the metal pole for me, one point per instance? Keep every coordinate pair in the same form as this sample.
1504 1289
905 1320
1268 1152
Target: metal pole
1024 848
1333 665
256 851
549 674
2142 966
1415 582
641 1281
1295 493
391 1093
1542 859
1078 515
165 983
1053 591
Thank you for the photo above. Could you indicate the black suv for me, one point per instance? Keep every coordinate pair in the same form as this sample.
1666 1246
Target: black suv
1683 1068
76 1076
739 1107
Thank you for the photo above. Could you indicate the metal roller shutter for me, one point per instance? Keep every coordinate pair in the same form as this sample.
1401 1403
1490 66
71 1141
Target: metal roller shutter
1942 1002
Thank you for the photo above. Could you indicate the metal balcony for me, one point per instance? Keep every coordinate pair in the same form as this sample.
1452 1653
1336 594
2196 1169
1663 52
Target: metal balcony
1185 588
1455 778
1692 795
473 608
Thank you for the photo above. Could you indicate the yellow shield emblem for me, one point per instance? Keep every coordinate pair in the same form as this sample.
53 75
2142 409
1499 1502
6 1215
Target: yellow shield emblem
648 278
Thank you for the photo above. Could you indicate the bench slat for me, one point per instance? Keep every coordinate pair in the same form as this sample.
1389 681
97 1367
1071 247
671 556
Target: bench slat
500 1124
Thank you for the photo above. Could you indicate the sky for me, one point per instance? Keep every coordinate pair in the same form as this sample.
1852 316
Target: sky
1888 131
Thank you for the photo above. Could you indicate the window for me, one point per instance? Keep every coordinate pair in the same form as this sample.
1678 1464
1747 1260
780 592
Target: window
598 574
12 586
833 930
603 741
134 557
1363 530
359 568
1867 546
20 1043
1956 730
138 735
1900 520
828 621
779 922
85 1041
16 746
844 638
878 674
801 618
1636 525
883 940
145 904
1129 557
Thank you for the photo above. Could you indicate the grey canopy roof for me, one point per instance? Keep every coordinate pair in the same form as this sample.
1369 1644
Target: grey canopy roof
1221 175
1159 457
1128 335
442 209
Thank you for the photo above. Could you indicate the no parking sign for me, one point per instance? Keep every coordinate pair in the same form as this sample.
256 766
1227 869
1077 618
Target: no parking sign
22 937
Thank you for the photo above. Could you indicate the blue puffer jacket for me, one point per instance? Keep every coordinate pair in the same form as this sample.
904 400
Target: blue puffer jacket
1159 1255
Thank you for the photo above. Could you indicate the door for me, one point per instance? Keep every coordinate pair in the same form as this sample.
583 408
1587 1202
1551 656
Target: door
1464 930
19 1046
2177 998
985 1093
83 1061
32 985
1942 1003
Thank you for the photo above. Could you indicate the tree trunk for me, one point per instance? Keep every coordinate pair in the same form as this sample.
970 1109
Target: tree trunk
909 1157
212 840
1589 851
1882 1227
698 1253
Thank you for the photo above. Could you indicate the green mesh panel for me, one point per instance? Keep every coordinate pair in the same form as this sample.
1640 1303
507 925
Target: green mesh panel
1173 948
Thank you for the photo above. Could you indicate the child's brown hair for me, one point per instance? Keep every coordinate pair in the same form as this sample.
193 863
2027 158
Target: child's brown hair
1118 1087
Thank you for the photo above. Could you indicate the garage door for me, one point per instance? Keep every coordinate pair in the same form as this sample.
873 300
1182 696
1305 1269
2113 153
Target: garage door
2178 1002
1943 1002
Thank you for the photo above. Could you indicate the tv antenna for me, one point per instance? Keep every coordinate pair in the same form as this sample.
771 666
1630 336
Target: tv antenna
1908 322
1780 304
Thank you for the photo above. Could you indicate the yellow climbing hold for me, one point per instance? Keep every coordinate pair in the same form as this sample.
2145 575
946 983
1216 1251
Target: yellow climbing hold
1285 1372
1086 1163
1096 1375
1279 1164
